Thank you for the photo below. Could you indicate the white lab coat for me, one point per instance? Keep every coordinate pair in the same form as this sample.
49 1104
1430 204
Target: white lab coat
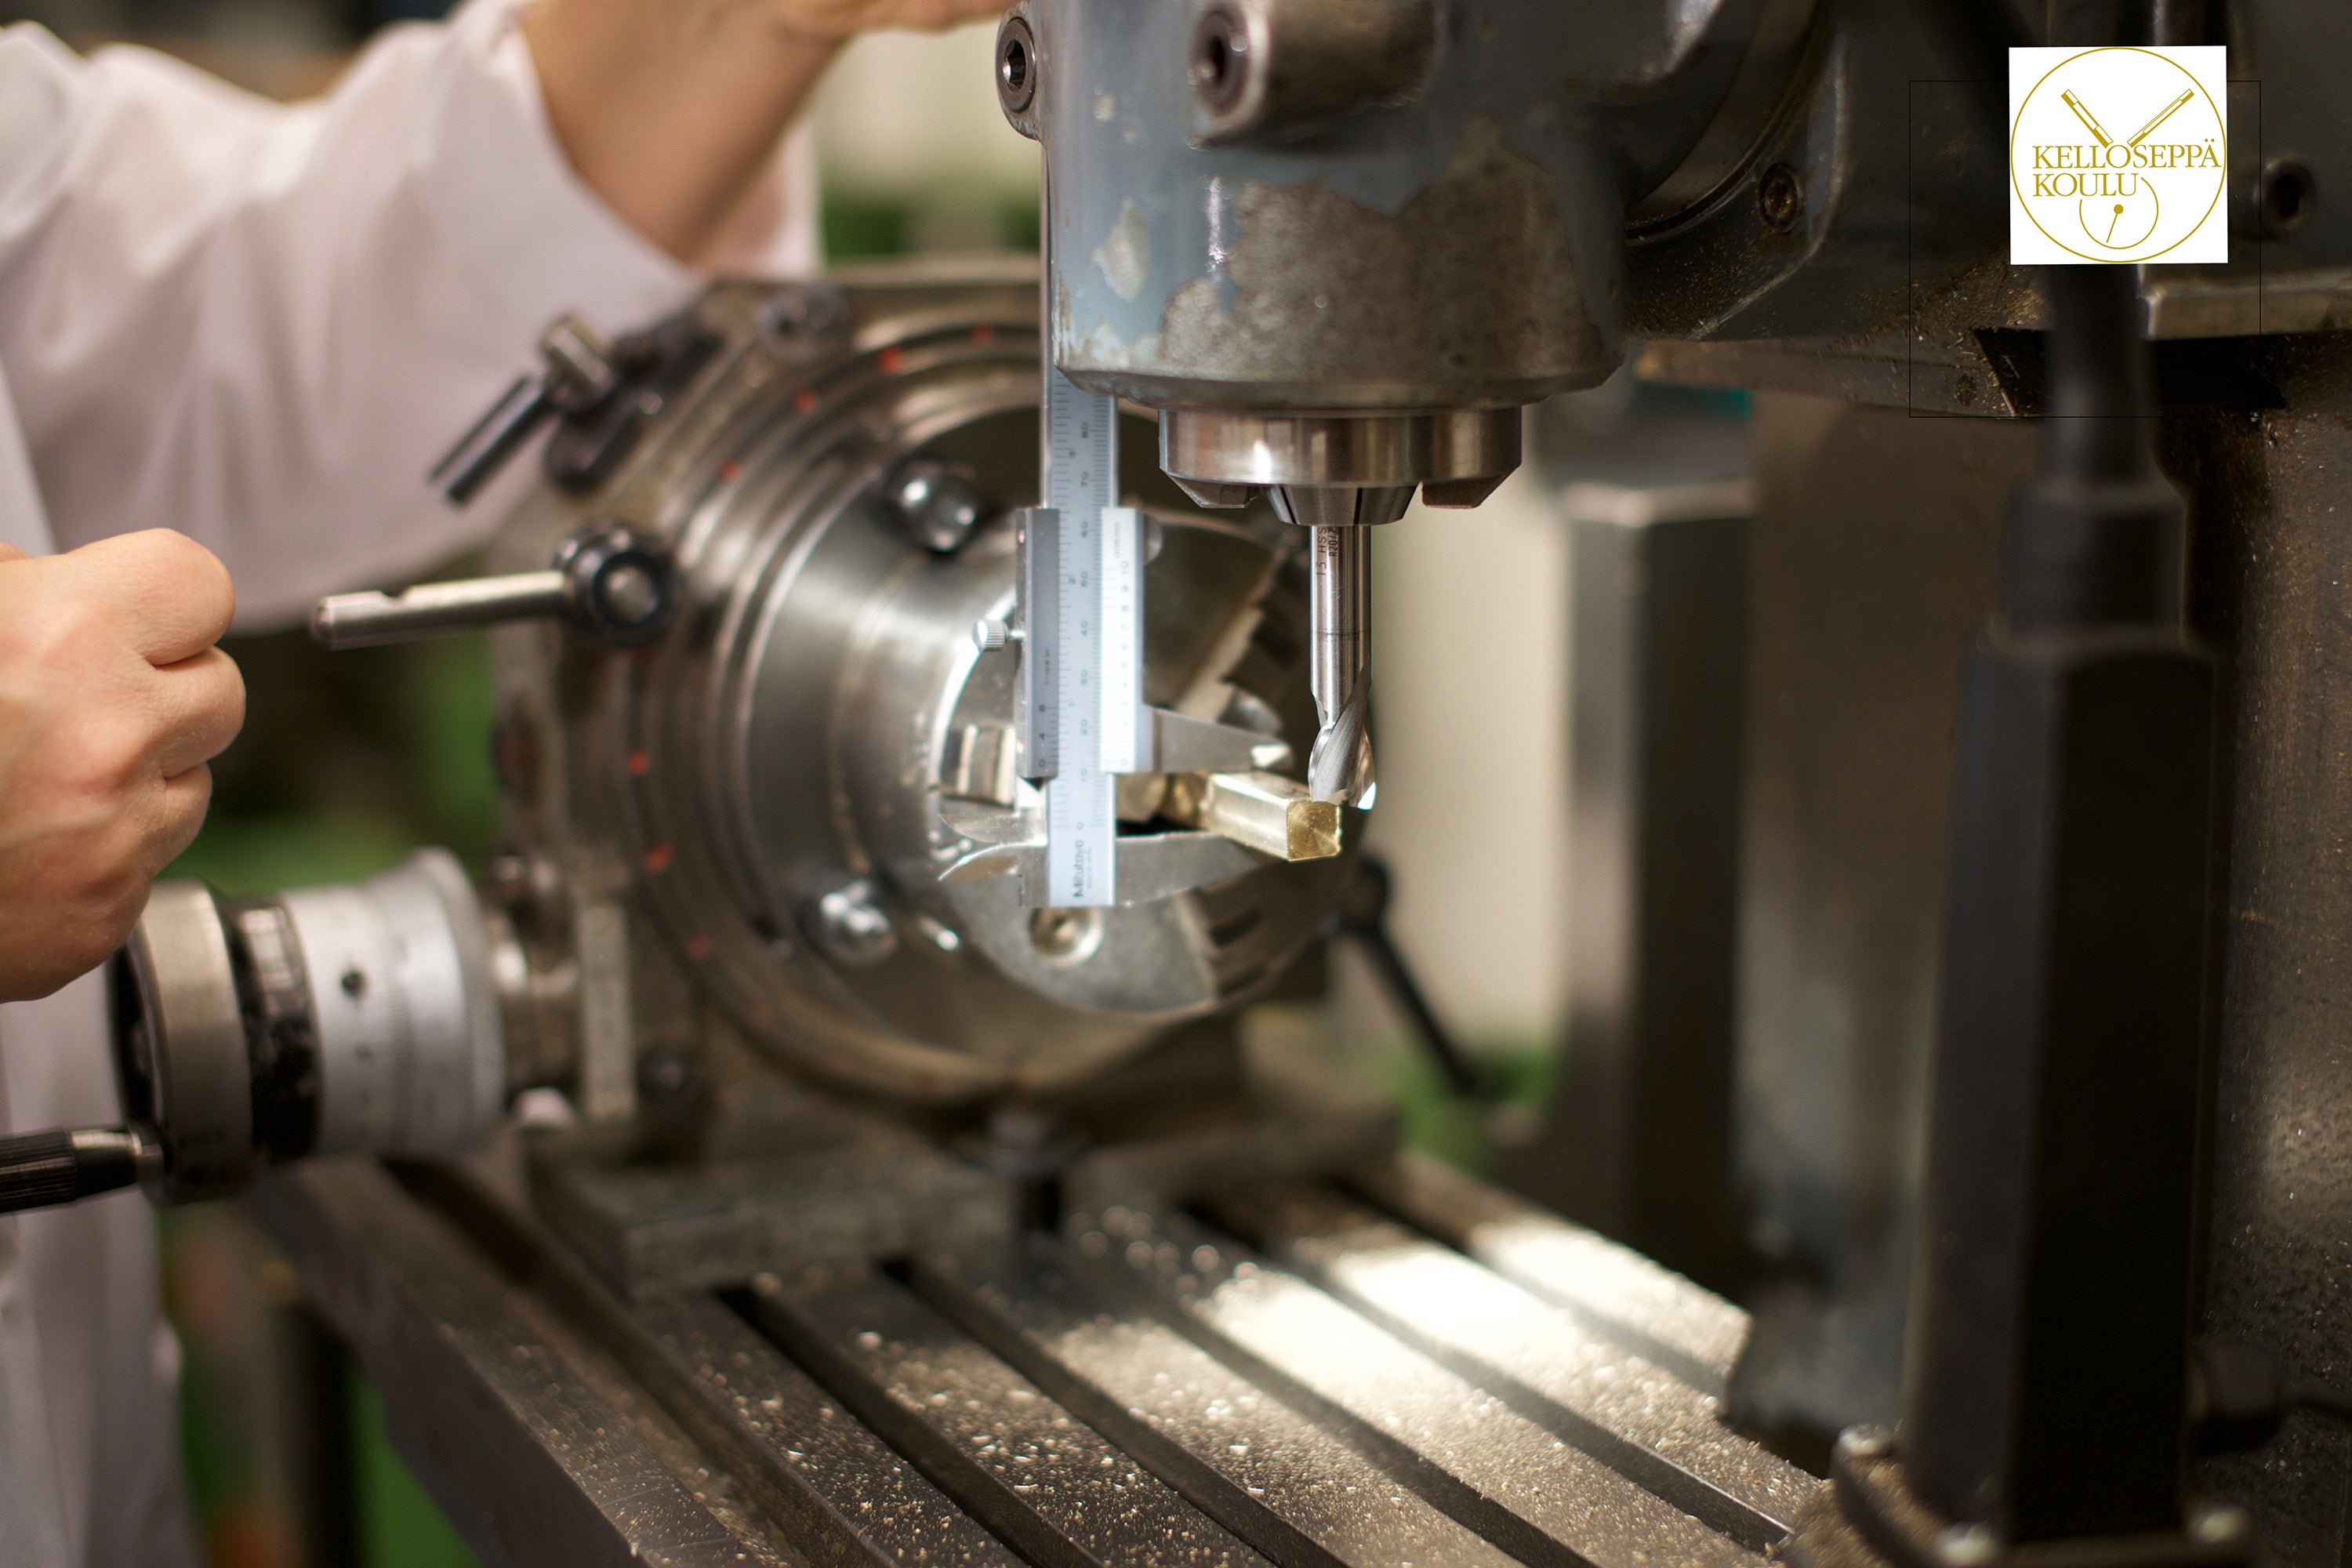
258 325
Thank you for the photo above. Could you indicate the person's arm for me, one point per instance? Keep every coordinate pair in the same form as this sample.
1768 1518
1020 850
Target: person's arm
261 324
671 111
113 699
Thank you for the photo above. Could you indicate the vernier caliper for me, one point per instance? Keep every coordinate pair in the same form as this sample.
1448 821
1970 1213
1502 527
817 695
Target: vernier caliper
1082 665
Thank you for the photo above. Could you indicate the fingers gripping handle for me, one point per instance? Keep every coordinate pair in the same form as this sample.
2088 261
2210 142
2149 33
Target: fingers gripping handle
63 1165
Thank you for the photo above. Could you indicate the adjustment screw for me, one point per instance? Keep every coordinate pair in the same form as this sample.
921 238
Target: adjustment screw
622 588
579 368
629 593
1016 77
1779 198
2288 196
1017 72
989 636
852 928
1066 935
938 504
804 314
1220 66
1965 1546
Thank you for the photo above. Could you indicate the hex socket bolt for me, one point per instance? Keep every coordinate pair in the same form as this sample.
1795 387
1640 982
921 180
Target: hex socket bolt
1270 67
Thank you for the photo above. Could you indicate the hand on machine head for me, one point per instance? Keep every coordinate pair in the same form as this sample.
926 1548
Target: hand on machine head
113 699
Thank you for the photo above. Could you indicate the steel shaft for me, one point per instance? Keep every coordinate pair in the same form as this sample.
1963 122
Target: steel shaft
429 609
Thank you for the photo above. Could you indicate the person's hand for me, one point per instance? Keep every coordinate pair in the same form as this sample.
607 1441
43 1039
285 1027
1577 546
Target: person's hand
670 109
112 697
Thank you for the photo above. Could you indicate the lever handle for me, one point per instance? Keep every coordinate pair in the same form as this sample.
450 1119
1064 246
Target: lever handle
366 620
578 374
63 1165
1363 914
615 584
496 436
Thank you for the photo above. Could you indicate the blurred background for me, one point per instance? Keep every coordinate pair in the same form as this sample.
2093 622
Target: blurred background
349 761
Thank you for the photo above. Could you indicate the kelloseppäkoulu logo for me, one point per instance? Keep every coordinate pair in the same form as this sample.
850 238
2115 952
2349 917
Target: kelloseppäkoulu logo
2117 155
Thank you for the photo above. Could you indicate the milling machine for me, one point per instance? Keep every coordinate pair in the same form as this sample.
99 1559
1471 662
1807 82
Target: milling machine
910 769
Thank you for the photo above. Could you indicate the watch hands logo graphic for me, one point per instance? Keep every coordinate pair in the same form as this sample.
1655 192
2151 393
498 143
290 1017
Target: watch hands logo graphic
2150 189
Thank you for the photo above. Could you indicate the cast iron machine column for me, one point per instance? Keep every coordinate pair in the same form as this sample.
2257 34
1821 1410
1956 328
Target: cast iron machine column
2046 1377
